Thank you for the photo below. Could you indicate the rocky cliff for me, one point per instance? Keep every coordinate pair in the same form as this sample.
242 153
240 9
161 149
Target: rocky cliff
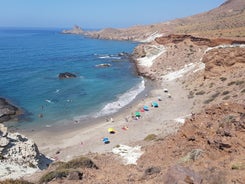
18 155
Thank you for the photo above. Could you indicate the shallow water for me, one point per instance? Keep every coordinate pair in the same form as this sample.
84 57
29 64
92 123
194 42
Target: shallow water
32 59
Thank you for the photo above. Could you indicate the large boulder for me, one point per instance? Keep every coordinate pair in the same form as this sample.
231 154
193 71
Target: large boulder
66 75
7 111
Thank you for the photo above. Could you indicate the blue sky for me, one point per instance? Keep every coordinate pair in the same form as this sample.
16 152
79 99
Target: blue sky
97 13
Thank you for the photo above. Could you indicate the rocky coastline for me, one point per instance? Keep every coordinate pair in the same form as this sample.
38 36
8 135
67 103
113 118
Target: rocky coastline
7 110
208 147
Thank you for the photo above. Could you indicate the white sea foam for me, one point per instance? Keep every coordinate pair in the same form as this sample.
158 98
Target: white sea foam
49 101
107 56
123 100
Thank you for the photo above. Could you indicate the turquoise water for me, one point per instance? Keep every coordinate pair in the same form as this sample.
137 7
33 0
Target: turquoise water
32 59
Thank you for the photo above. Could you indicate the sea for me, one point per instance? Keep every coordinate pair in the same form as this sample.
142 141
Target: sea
31 60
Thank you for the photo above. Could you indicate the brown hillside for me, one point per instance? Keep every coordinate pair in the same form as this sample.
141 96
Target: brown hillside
226 21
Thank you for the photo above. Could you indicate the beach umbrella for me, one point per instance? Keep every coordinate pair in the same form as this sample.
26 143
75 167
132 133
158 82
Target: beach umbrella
137 114
111 130
154 104
146 108
106 140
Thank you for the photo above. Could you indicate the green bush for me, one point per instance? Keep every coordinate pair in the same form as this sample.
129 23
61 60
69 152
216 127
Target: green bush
231 83
225 92
58 174
82 162
238 83
226 97
200 92
212 98
223 78
150 137
238 166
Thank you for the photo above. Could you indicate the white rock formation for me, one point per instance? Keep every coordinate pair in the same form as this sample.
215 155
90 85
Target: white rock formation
18 155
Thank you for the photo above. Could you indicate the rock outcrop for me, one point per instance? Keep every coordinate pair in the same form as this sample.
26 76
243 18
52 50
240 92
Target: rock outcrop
75 30
220 60
172 38
66 75
18 155
7 111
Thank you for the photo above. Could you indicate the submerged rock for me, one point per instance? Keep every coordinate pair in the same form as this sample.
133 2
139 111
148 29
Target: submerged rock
66 75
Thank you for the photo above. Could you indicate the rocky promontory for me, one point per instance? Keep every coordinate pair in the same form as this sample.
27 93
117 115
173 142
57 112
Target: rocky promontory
75 30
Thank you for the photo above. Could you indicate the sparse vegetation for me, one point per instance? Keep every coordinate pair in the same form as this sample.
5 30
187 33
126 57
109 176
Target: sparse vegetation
32 165
215 95
82 162
191 94
226 98
1 157
231 83
150 137
212 98
58 174
225 92
200 93
238 166
211 85
223 78
238 83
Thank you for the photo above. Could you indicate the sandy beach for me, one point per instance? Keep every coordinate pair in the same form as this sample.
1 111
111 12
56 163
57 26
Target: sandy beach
78 140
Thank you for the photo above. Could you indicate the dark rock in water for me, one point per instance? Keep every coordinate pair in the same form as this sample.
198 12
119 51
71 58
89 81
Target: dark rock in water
66 75
103 65
125 55
7 111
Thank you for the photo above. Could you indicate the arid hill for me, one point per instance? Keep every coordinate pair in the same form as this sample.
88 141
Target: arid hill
226 21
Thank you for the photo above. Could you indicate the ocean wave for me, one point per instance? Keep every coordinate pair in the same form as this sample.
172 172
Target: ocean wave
122 101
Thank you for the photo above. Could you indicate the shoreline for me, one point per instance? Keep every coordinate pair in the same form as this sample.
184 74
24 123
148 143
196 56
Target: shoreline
83 139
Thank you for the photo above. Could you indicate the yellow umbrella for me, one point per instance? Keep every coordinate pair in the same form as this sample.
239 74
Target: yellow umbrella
111 130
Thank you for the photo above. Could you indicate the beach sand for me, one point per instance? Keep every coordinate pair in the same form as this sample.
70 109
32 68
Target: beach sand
79 140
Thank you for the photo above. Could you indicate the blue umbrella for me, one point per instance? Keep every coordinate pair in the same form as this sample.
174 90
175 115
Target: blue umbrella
154 104
146 108
106 140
